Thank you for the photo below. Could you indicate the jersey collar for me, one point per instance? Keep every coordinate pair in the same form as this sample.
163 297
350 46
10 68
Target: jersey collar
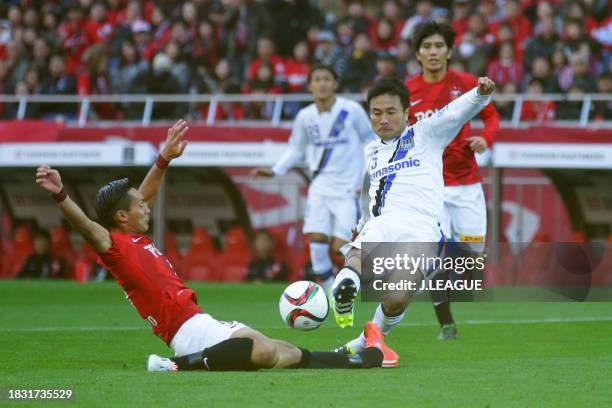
396 138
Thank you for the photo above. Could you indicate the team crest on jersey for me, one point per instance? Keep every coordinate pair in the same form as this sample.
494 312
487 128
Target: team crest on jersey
406 143
313 132
455 92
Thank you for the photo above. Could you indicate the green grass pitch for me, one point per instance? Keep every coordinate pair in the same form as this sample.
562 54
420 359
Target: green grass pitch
58 335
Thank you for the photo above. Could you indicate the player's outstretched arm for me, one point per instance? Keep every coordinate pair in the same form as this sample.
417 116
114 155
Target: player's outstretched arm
490 118
262 172
96 235
446 124
292 157
174 147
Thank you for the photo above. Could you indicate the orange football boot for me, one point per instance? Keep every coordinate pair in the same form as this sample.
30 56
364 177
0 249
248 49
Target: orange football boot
375 338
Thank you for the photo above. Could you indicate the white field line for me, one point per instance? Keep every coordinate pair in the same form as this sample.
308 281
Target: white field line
405 324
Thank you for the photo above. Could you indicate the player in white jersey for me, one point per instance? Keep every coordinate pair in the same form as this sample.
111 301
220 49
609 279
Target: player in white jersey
330 135
406 193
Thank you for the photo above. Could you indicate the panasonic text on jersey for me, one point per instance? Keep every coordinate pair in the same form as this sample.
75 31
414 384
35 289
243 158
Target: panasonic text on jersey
395 167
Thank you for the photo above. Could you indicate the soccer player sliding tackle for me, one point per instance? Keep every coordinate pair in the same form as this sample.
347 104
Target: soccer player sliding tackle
160 296
406 195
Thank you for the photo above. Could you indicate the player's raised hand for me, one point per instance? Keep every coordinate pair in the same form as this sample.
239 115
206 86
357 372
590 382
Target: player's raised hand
478 144
485 86
175 145
49 179
262 172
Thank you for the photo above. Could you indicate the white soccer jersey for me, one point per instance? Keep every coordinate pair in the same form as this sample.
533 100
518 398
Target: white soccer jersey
332 144
405 173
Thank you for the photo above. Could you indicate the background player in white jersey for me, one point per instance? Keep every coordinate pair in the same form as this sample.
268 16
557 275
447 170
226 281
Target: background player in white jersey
406 193
330 135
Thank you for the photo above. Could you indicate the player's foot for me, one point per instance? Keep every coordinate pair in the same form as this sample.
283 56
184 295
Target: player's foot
448 332
375 338
355 346
371 357
157 363
346 349
344 303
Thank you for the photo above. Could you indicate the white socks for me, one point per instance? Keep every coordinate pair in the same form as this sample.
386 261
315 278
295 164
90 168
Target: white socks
386 323
322 265
357 345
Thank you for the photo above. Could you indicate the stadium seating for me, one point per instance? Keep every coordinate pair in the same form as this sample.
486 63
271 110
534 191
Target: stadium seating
202 260
21 249
235 256
173 254
203 65
61 248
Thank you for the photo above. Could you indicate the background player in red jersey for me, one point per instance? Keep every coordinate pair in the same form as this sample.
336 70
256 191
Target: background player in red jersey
465 210
160 296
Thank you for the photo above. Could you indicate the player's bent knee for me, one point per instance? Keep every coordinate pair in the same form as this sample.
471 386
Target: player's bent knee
265 353
393 306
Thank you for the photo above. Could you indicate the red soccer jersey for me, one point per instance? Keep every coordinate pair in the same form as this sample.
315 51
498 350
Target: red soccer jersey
460 167
150 283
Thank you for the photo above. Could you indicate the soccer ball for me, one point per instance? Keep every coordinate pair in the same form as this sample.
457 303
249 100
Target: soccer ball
303 305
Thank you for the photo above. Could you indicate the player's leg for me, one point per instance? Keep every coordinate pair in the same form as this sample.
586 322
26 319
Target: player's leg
441 298
249 350
348 280
322 265
345 288
468 213
345 213
469 232
318 225
388 314
272 353
392 308
203 342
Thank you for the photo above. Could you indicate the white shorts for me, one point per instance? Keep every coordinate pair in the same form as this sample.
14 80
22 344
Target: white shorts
428 239
465 215
332 216
200 332
386 228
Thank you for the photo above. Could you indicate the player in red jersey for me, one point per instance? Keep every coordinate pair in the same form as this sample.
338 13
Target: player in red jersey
160 296
465 218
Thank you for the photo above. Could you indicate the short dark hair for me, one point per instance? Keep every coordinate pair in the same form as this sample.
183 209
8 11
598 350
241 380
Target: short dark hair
317 66
390 86
112 198
429 28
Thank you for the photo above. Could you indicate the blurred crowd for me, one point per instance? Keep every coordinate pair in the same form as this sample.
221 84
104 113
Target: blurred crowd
262 256
99 47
